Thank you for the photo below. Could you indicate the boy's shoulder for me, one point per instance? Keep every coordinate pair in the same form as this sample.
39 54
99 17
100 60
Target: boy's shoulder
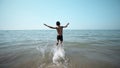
59 26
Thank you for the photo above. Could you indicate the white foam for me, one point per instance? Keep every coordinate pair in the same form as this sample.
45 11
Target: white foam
58 54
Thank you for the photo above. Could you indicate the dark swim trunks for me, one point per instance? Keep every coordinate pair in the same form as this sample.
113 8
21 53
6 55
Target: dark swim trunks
60 37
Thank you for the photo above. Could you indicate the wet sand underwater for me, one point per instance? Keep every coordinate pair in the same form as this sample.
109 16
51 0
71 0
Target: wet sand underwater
37 53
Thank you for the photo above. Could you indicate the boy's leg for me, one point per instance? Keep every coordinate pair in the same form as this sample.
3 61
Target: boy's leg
57 42
61 40
61 43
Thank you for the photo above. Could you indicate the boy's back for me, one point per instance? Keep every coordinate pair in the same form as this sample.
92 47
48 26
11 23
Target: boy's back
59 30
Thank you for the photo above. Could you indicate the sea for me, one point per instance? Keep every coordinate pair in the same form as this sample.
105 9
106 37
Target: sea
82 49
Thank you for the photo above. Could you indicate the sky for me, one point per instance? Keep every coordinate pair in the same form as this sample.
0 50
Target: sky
81 14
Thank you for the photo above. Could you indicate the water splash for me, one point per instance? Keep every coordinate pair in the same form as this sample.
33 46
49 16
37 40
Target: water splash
54 53
42 49
58 55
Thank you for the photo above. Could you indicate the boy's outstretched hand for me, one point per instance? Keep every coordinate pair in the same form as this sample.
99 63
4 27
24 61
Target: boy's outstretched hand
45 24
68 23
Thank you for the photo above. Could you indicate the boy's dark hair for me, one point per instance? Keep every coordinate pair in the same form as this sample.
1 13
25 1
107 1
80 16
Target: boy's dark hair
57 23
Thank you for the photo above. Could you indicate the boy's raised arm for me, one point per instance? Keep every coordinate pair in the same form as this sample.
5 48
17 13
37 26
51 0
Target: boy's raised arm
66 25
50 26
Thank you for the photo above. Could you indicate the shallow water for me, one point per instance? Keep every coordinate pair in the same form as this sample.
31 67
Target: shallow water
83 49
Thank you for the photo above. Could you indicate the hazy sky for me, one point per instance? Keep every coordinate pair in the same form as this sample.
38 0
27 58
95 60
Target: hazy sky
81 14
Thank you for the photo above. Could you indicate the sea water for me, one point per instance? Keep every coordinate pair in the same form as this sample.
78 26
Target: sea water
81 49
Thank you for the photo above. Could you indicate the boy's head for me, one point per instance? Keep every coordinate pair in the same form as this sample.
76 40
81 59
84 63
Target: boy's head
58 23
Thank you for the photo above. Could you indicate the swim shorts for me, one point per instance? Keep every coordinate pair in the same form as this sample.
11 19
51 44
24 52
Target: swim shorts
60 37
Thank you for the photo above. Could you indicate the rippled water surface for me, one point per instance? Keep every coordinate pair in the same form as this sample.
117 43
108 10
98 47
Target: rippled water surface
83 49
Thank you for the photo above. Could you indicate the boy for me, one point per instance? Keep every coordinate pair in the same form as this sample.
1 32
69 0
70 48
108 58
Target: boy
59 31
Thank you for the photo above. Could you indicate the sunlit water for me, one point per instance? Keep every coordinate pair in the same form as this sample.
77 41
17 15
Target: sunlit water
81 49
